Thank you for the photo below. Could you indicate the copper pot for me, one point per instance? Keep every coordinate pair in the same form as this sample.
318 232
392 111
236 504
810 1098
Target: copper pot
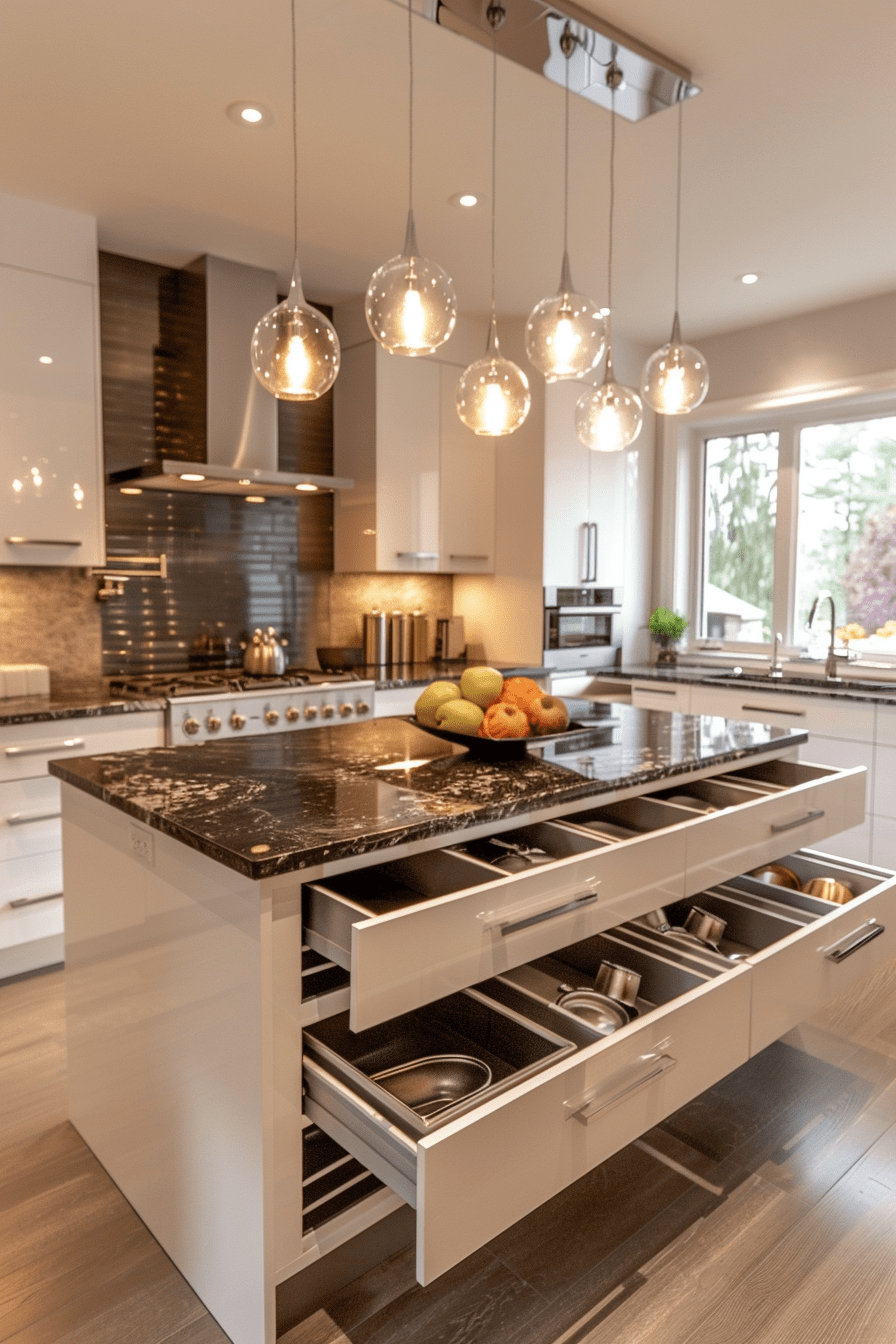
829 889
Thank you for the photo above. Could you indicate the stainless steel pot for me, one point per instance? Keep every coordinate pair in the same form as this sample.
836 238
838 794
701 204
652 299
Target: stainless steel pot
617 983
707 928
265 656
603 1015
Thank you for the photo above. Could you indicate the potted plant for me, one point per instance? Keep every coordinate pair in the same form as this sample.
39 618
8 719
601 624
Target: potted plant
666 629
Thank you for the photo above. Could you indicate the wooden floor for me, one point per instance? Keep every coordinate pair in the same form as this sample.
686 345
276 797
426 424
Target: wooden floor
763 1213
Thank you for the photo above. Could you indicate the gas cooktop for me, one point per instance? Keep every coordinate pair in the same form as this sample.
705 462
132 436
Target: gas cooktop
213 681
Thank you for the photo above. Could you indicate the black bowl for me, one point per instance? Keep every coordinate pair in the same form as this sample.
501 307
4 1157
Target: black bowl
339 658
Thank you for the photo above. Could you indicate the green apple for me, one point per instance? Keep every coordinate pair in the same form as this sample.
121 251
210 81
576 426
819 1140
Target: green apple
459 716
482 685
430 699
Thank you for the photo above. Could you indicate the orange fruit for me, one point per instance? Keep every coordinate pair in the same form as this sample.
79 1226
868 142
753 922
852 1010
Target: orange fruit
504 721
519 691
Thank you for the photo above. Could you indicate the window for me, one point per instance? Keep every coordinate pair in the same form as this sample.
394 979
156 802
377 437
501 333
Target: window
775 504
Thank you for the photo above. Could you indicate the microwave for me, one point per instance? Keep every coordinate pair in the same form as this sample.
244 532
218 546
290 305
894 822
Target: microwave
582 627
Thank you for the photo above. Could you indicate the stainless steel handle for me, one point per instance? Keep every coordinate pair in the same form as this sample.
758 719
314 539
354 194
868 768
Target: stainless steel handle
591 1107
859 937
764 709
34 748
779 826
34 900
513 918
590 566
593 527
452 556
22 818
653 690
32 541
417 555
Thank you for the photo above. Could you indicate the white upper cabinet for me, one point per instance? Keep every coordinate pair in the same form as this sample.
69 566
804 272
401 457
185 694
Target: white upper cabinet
51 469
424 494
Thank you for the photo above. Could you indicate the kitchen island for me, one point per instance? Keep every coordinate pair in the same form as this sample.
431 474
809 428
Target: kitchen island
202 882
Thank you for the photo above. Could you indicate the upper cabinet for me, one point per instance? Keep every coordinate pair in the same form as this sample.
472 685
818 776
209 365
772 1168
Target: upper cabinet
424 493
51 467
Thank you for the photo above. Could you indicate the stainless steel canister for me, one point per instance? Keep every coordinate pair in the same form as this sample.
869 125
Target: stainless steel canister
399 637
375 638
419 637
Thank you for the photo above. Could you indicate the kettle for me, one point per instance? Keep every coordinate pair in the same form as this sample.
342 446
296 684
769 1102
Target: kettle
264 655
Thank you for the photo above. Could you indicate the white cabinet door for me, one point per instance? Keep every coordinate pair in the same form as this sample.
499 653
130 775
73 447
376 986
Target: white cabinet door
568 548
407 457
51 483
467 482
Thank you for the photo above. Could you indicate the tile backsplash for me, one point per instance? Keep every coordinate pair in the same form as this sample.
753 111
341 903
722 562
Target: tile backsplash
50 615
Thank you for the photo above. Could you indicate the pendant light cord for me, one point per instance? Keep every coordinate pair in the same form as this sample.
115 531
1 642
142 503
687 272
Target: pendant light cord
295 147
610 228
678 208
410 105
566 165
494 154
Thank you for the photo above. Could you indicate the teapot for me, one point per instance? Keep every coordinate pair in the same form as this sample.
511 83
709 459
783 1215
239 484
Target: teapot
264 656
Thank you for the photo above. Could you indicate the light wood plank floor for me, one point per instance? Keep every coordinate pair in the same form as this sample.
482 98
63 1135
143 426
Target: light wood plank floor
763 1213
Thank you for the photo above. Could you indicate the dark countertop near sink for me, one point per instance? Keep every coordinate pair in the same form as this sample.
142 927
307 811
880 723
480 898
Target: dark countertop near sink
421 674
849 690
71 700
323 794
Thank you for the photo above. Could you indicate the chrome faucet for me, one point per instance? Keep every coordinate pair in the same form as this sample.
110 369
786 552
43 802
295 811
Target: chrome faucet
775 668
830 667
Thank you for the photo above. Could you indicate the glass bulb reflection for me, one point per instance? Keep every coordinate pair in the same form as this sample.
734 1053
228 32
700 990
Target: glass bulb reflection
410 305
566 334
295 350
493 396
609 417
675 378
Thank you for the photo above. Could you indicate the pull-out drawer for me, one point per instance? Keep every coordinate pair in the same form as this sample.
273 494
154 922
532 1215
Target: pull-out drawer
419 928
26 748
802 951
29 817
477 1173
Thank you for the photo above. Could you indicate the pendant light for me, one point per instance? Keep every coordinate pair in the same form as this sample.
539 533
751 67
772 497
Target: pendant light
493 395
565 334
608 418
411 306
295 350
675 378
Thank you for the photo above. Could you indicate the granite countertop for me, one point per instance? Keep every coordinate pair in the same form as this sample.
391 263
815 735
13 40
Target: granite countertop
71 700
267 805
421 674
847 690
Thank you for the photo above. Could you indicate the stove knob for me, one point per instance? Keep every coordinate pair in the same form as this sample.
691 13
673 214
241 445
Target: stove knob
310 712
191 727
362 707
292 714
237 721
271 716
346 710
328 711
212 723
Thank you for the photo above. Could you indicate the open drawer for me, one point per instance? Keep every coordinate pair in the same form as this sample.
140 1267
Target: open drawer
419 928
802 951
479 1172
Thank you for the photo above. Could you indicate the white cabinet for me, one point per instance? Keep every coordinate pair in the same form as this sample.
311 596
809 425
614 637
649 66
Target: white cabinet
396 700
51 469
424 494
31 919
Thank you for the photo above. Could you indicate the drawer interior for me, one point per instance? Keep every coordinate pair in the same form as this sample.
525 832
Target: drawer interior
332 1180
771 776
635 816
708 795
466 1024
517 851
405 882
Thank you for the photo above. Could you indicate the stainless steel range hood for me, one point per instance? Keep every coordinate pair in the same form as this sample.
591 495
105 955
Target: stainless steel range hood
231 410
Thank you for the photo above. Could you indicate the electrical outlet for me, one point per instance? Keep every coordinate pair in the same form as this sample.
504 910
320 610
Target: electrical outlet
141 844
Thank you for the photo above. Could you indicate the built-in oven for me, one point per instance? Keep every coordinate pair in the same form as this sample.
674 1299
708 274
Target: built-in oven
582 627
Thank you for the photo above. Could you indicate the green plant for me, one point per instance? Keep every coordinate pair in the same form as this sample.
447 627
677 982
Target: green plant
667 627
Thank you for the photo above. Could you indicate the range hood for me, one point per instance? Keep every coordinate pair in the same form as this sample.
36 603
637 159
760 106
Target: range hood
213 415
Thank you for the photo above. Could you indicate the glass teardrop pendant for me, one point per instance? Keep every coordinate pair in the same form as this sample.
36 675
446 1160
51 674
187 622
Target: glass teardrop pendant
295 350
493 396
411 306
675 379
609 417
565 334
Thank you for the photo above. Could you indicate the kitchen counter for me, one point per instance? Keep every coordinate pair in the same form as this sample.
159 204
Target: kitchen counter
846 690
71 700
263 806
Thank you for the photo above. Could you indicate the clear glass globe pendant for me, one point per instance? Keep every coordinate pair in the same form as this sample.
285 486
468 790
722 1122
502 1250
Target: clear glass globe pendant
566 334
609 417
493 396
675 378
295 350
411 306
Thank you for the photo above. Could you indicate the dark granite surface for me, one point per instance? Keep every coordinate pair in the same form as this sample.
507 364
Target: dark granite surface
421 674
74 699
265 805
753 681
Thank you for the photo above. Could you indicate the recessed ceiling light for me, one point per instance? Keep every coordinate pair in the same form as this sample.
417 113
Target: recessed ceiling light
306 485
46 359
466 199
244 481
749 278
254 499
131 490
250 114
191 476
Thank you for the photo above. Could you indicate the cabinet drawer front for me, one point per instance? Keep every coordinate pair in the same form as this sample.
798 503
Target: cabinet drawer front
36 876
26 748
723 844
29 817
402 960
658 695
794 978
818 715
481 1173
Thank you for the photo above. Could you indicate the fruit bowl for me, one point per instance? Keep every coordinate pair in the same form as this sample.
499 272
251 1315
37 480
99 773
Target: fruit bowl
495 748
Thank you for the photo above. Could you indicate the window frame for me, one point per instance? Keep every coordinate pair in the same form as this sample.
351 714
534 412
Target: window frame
680 541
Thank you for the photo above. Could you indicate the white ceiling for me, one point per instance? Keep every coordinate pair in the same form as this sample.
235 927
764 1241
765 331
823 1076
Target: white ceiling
116 108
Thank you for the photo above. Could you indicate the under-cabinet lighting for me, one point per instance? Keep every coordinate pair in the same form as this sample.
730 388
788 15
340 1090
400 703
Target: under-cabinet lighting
191 476
306 485
130 490
255 499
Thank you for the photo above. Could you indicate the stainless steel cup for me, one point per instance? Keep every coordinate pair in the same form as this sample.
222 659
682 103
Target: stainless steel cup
618 983
708 928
